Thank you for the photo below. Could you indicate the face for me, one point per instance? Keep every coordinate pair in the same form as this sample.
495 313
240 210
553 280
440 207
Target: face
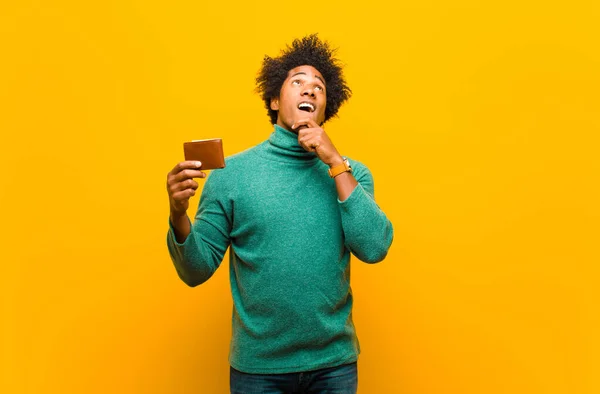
302 95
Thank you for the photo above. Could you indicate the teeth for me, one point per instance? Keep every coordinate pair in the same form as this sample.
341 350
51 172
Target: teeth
306 105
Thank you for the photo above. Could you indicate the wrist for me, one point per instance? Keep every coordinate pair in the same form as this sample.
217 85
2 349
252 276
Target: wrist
176 216
335 161
181 227
338 169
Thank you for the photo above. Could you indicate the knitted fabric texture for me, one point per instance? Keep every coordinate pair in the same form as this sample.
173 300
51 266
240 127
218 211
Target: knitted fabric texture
291 240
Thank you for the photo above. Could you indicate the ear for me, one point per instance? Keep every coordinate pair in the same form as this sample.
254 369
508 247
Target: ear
275 104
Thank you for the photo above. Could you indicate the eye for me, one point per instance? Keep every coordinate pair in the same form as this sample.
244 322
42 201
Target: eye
319 88
296 82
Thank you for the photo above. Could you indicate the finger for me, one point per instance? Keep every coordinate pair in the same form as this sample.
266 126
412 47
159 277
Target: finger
194 164
304 133
313 146
188 174
309 136
310 144
300 123
187 184
309 141
313 123
308 122
184 194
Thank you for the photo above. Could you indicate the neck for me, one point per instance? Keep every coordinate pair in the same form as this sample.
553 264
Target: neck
283 126
284 143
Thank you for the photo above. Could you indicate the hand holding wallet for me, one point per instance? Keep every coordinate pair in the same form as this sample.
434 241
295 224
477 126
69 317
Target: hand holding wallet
208 152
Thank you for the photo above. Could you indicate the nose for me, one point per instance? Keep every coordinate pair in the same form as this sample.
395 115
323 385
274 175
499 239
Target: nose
308 90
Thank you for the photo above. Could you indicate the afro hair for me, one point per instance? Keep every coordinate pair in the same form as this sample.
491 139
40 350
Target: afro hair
308 51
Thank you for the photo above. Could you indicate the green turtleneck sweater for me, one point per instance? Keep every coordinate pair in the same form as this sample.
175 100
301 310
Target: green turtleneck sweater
291 240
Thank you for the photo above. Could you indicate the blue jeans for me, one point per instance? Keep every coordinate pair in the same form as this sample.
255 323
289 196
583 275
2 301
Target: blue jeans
335 380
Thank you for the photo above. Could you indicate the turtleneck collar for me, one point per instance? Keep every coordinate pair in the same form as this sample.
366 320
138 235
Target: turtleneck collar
284 144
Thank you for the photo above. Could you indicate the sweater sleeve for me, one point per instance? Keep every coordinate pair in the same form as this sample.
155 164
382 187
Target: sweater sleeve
199 256
367 230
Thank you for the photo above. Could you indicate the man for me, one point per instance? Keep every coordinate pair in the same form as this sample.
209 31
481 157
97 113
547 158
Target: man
292 209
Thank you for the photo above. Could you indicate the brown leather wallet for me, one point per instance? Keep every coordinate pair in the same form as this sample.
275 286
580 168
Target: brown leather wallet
208 152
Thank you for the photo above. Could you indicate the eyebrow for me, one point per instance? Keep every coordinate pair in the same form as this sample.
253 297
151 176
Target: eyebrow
316 76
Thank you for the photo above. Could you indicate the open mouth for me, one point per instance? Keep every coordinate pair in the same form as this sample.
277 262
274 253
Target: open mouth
306 106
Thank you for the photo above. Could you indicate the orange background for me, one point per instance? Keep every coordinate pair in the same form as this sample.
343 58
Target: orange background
478 119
